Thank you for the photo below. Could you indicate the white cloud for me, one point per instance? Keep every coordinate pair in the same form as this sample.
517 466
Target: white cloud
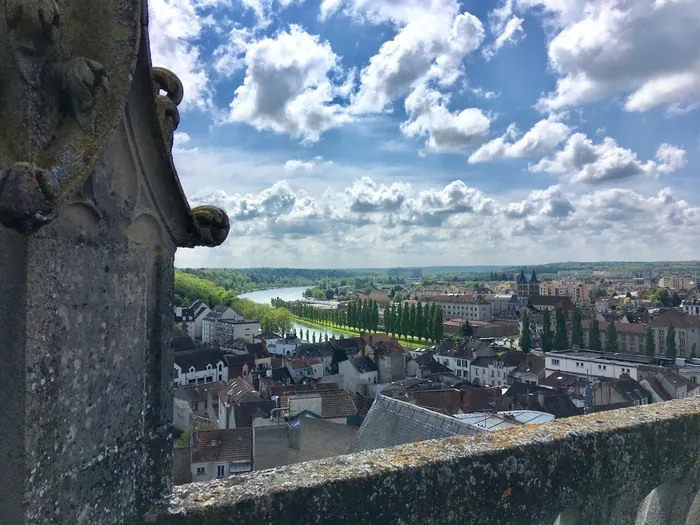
547 203
446 131
290 86
671 158
366 196
511 32
643 49
432 40
174 25
544 136
482 93
295 165
419 227
584 161
328 8
180 139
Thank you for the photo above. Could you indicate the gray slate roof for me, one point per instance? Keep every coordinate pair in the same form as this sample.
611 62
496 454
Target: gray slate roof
363 364
391 422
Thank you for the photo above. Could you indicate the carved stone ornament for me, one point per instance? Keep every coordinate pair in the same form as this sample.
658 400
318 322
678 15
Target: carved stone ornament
168 115
62 90
66 72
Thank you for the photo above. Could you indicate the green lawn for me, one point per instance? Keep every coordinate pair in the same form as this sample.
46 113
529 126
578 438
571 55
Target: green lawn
353 332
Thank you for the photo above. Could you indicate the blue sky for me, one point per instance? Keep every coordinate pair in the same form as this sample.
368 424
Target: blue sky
355 133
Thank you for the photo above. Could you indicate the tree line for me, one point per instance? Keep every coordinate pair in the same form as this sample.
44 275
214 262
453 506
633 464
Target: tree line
559 338
415 320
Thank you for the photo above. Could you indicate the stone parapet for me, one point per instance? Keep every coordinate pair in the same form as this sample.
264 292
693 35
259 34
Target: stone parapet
634 466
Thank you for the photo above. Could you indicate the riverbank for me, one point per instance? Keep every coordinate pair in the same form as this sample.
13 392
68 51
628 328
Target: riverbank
346 330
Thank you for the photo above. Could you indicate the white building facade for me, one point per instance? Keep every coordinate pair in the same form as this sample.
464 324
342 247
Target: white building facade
469 307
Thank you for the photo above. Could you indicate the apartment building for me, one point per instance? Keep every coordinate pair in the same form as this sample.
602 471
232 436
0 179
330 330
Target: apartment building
687 332
676 282
630 336
472 307
575 290
212 319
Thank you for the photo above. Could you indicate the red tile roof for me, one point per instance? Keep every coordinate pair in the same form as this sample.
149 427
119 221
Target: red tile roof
234 444
304 362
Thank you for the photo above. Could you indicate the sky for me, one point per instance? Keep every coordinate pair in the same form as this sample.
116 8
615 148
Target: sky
383 133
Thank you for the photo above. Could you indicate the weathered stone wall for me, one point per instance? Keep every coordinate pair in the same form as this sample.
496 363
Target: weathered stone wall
637 466
91 212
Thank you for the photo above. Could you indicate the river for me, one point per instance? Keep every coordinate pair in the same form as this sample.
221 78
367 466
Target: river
291 294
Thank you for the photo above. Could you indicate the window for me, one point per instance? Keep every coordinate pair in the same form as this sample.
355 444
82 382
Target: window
645 401
201 471
239 466
221 378
220 471
220 366
555 361
177 372
210 379
190 382
196 406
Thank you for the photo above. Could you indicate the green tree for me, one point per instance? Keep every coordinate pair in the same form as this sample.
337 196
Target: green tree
437 325
307 335
594 336
184 440
277 320
398 316
671 341
467 329
313 337
576 329
388 318
351 313
405 320
374 316
546 339
325 337
428 313
561 339
649 342
675 299
419 321
339 355
412 320
525 336
611 344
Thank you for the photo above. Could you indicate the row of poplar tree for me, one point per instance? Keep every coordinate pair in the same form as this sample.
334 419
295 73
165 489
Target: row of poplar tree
559 339
415 320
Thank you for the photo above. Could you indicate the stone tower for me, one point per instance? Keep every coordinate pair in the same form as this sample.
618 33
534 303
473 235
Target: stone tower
91 212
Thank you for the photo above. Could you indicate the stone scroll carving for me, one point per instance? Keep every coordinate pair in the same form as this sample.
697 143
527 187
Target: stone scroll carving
63 87
168 115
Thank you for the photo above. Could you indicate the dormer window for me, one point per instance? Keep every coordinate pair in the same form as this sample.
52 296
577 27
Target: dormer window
209 367
191 370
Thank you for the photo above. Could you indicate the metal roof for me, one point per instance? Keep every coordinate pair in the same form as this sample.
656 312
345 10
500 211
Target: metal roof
503 420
